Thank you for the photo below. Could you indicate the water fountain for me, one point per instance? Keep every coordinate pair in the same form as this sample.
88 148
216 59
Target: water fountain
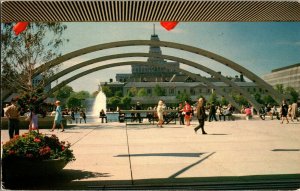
99 104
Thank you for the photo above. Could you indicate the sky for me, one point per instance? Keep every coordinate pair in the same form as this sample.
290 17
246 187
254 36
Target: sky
258 46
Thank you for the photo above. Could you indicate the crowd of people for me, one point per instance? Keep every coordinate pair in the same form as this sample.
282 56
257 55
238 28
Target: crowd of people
185 112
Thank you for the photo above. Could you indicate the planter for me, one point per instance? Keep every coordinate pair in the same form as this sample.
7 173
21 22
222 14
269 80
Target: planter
30 168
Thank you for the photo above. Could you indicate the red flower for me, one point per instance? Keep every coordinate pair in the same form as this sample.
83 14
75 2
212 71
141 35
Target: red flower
62 148
16 136
37 140
11 152
45 150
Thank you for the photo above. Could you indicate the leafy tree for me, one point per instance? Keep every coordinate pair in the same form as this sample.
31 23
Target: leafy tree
95 93
159 91
183 97
64 92
142 92
107 91
39 43
224 101
119 93
125 101
82 95
73 102
267 99
114 101
213 98
257 97
241 100
132 92
279 88
293 93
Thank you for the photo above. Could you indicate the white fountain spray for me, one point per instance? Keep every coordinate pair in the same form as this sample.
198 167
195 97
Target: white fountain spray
99 103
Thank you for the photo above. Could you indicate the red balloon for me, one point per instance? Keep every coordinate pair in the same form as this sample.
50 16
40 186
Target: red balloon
169 25
20 27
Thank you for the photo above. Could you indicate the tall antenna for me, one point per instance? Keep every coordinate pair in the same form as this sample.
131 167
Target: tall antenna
153 29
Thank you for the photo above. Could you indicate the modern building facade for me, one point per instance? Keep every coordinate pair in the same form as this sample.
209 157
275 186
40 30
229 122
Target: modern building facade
288 76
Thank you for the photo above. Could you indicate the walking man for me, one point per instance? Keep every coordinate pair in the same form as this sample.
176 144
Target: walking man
212 113
13 115
200 115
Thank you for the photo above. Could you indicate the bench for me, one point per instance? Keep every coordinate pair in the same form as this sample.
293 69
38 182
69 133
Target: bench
136 116
102 117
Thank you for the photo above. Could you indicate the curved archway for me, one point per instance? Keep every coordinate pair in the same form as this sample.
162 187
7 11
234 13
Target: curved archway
187 62
276 96
198 77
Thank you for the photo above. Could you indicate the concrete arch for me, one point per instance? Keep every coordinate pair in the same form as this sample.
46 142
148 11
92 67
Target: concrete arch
187 62
256 79
200 78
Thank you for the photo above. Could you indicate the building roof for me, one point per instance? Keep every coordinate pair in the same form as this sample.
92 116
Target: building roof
162 84
286 67
241 84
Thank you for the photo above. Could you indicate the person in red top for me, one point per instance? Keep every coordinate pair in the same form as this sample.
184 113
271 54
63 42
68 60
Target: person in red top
187 109
248 113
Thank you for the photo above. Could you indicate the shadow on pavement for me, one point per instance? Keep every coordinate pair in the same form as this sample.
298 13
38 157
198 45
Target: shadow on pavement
163 155
60 181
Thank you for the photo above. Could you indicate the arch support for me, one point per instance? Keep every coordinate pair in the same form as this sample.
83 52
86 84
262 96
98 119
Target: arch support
256 79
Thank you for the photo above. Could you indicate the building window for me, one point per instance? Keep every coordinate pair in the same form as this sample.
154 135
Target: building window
171 91
149 92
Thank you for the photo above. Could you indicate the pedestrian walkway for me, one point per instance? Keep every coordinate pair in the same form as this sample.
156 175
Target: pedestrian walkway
115 156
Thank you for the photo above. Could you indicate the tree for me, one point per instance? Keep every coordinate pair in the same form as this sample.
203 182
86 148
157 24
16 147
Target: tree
107 91
63 92
183 97
125 101
114 102
213 98
82 95
159 91
119 93
224 101
293 93
73 102
38 44
257 97
241 100
142 92
267 99
132 92
279 88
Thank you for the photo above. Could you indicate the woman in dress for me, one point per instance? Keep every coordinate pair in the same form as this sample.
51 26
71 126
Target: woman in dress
284 111
160 113
58 117
188 112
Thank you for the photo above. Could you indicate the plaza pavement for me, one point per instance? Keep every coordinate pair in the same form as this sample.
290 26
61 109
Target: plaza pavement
232 151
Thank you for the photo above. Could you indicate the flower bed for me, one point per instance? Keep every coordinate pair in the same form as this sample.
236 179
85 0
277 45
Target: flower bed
35 154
